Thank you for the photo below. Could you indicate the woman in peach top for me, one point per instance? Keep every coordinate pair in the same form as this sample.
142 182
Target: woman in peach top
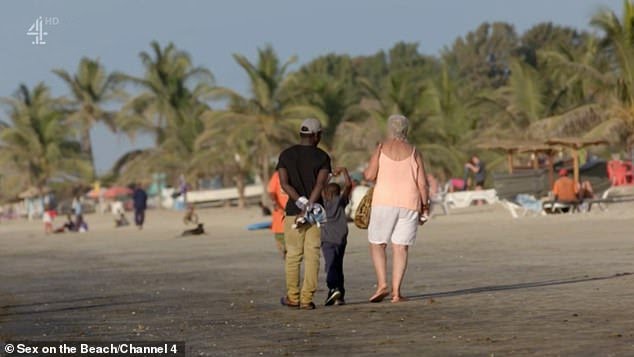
399 204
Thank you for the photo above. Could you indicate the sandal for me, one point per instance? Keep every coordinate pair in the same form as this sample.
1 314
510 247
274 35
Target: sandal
379 296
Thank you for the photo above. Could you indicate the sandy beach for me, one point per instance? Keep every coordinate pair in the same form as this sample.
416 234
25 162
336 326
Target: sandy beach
480 284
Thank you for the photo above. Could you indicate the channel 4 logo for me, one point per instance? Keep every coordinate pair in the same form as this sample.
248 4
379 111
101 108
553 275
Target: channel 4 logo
37 29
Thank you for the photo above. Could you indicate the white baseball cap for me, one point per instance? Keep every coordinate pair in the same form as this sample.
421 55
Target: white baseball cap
310 126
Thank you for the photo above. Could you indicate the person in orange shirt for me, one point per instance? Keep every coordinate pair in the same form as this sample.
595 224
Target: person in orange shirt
565 189
279 199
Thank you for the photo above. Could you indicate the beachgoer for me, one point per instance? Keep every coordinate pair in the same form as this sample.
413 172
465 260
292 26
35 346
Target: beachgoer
399 204
47 218
77 207
182 188
303 171
565 189
586 191
279 198
475 166
190 215
81 226
334 236
121 221
68 226
139 196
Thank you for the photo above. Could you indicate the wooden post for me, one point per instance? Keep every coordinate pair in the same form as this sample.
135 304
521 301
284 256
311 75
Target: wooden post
551 169
534 160
509 157
575 163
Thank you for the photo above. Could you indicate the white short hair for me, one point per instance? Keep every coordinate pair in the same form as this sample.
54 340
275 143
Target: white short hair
397 126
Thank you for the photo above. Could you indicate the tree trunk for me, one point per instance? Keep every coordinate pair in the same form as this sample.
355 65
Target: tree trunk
86 148
265 176
240 185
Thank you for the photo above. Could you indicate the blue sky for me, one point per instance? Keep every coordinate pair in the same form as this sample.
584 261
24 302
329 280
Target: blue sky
116 31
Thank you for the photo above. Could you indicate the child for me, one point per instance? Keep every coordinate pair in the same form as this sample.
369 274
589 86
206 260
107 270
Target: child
334 235
47 218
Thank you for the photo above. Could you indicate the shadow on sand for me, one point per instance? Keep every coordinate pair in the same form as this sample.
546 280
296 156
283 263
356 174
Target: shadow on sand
493 288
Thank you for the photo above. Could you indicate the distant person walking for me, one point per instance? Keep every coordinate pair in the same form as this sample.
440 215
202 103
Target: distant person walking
303 171
139 196
399 204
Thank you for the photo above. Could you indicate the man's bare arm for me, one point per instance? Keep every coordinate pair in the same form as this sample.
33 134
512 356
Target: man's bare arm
290 190
322 179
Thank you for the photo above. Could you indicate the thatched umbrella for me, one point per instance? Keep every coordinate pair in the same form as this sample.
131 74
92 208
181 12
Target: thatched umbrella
575 145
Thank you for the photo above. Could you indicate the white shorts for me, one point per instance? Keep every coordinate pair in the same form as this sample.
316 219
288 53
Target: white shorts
395 224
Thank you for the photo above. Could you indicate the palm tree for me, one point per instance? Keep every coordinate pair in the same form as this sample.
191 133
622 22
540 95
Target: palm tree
38 142
221 150
326 90
619 39
91 88
269 115
169 107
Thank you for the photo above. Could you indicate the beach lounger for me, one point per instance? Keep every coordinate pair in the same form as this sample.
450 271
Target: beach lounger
464 199
524 205
560 207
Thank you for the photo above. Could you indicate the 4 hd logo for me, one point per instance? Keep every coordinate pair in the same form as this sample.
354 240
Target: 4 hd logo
37 29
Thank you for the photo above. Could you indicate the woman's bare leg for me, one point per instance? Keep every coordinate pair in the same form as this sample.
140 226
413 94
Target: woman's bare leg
399 265
379 259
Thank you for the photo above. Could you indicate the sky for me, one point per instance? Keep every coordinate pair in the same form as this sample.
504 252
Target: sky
116 31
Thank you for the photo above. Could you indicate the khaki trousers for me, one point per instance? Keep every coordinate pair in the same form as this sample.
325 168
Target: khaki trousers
301 244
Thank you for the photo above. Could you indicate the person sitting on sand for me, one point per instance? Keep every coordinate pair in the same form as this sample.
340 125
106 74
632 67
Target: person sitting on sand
303 171
399 204
334 236
565 189
68 226
121 221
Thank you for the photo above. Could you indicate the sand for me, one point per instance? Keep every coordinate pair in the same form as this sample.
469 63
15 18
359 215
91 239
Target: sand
480 282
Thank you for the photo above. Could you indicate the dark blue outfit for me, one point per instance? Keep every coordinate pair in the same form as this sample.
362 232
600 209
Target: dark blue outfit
140 204
334 238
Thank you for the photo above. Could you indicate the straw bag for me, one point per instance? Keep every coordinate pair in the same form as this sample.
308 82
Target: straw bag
362 214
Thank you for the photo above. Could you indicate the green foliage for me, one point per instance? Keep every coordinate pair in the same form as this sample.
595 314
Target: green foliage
491 84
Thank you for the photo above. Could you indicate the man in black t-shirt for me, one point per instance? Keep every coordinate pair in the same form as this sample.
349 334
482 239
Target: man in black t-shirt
303 171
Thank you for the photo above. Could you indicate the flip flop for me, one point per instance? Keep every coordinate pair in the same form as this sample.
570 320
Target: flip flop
399 299
379 297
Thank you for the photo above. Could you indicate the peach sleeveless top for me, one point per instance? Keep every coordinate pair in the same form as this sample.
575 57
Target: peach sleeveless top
396 183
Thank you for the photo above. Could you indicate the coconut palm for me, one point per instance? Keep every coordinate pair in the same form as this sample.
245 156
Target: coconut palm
619 39
221 150
38 143
331 97
91 88
269 115
169 107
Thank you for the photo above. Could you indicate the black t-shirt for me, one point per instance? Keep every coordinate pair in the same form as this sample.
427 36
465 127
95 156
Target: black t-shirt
303 163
